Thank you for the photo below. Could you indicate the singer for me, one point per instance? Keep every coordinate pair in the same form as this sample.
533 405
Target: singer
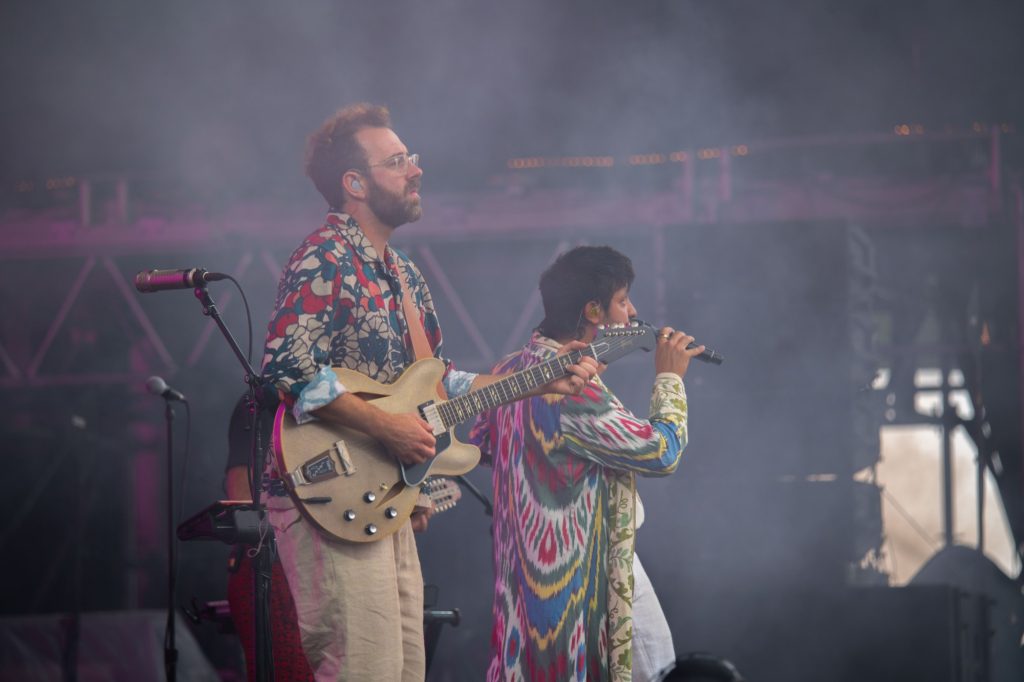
565 502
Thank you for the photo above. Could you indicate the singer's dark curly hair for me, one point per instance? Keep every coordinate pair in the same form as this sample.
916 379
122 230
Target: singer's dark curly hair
333 148
578 276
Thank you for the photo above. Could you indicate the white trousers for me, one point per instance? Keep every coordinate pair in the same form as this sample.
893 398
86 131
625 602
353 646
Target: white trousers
652 640
359 605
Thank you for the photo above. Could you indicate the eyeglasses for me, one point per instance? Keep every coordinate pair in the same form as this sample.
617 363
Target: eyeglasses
399 162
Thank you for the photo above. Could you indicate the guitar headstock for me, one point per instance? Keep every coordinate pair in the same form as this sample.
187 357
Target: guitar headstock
616 340
444 493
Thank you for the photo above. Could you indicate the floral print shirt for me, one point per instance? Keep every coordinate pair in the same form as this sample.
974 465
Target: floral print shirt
565 510
339 305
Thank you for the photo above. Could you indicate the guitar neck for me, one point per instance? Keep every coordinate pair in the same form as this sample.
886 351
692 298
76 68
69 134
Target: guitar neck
507 389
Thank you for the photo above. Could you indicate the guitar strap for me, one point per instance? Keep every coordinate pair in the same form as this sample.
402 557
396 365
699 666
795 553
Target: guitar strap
420 350
420 347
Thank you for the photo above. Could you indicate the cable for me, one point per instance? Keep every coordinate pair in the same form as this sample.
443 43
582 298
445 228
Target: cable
248 314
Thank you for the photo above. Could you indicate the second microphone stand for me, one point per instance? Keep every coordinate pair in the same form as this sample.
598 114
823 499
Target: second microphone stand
263 561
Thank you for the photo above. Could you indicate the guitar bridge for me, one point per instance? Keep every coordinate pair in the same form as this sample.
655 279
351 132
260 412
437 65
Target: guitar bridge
347 466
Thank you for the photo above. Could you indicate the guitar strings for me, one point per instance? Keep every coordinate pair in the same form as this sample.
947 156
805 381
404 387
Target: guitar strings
457 410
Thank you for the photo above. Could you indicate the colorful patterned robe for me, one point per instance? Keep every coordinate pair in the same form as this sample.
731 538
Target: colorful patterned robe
564 522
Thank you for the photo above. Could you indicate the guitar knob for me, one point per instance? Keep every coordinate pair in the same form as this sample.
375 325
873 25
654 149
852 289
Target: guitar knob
349 515
391 512
369 496
370 529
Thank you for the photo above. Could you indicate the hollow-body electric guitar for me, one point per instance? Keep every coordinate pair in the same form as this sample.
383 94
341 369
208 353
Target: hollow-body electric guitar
351 488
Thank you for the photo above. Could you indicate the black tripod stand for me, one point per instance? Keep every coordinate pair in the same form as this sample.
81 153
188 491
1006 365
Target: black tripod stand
157 386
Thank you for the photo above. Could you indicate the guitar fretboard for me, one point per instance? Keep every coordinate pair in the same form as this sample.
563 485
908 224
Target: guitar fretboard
507 389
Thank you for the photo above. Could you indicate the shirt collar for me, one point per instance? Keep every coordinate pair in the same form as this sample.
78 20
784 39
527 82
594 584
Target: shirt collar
541 341
348 228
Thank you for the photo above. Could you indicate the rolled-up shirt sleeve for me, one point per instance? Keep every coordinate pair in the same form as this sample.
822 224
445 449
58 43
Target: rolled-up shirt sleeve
321 390
457 382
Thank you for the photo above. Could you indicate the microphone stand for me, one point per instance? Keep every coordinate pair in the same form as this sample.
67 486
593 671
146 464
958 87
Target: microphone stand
263 562
170 651
488 509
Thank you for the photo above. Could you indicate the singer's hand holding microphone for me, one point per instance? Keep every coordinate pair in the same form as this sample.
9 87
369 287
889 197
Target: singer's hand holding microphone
674 351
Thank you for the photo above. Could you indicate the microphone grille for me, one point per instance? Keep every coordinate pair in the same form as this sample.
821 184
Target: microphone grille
156 385
142 281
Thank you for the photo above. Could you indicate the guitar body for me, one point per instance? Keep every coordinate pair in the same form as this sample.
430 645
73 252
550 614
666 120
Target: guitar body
345 482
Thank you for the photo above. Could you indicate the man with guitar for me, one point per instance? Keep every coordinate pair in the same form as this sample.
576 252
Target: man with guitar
565 503
347 299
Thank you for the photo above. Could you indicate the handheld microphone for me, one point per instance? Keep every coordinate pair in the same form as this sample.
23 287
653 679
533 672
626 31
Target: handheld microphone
158 386
149 281
707 355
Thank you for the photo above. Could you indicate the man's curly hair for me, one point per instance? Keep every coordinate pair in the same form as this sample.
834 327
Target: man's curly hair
333 148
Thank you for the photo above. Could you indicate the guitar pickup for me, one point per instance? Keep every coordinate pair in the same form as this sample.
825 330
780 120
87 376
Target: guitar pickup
431 416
